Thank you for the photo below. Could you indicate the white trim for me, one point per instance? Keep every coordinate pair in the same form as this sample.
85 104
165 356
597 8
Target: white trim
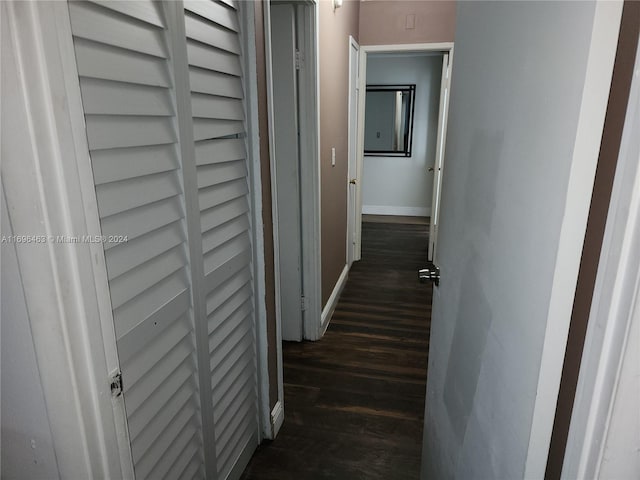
615 293
365 50
332 302
277 417
409 47
266 16
585 157
247 14
49 191
399 211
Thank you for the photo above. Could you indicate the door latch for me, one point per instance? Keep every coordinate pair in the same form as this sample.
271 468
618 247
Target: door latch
430 274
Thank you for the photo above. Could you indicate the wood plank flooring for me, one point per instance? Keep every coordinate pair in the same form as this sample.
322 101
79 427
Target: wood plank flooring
354 401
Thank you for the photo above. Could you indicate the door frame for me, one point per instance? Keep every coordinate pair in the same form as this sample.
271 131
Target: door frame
51 192
614 306
309 93
248 39
365 50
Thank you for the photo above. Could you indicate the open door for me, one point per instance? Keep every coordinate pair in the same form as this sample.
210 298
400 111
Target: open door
437 167
354 91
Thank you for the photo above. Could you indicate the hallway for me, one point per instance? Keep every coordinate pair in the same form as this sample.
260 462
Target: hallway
354 401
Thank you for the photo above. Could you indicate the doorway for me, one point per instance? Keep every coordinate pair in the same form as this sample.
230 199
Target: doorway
291 28
293 93
380 188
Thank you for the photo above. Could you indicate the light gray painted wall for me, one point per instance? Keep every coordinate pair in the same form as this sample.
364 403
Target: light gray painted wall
404 184
518 76
27 446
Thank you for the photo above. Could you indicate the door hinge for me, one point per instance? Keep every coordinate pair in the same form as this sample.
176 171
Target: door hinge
303 303
298 59
116 384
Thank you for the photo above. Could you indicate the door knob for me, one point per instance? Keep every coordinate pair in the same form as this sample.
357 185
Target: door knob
352 181
430 274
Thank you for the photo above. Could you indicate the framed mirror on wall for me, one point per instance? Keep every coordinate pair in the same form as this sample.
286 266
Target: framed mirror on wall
388 124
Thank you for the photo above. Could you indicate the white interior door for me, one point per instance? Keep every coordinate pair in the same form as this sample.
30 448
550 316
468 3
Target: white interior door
438 165
162 93
287 163
352 185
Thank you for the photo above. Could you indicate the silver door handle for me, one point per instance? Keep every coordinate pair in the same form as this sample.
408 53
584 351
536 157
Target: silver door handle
429 274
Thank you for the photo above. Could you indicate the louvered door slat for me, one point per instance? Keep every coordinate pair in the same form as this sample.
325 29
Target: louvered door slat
158 423
186 463
126 194
220 173
207 128
206 81
177 388
152 326
220 214
209 58
217 151
121 259
221 295
210 106
106 97
242 363
128 96
115 131
145 219
241 387
181 430
226 271
212 10
229 316
219 194
98 60
116 164
146 11
205 31
96 23
137 310
133 283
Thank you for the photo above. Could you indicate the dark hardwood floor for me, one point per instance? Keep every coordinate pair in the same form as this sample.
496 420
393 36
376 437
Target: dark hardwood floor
354 401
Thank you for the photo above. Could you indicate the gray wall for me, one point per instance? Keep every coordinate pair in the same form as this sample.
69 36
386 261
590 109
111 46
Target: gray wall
518 76
27 447
403 185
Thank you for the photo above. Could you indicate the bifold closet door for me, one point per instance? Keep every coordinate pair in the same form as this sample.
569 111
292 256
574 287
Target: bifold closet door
191 402
217 104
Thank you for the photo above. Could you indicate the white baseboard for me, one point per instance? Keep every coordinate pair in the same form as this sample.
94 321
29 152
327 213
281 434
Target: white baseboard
277 417
399 211
328 309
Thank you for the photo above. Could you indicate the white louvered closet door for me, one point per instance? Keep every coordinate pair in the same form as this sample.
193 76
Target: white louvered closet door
216 93
162 92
